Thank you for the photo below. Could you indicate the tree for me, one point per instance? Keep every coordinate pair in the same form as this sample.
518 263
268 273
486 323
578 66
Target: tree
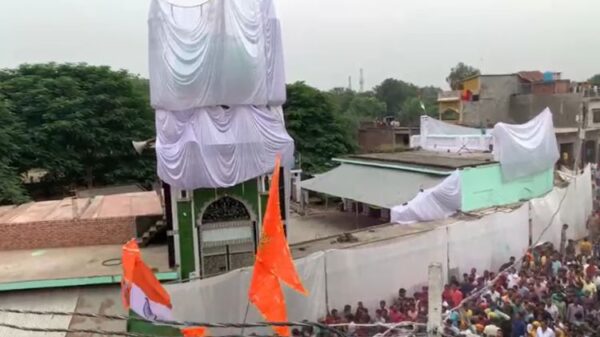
595 80
80 121
341 98
362 106
393 93
11 135
412 109
459 73
318 132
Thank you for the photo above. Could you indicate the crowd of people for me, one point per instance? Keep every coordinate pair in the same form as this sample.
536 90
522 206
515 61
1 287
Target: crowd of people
550 292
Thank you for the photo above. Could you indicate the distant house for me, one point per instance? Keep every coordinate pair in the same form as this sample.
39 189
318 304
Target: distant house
487 99
384 136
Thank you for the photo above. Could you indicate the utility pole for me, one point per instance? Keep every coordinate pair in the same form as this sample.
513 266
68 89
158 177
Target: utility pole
434 312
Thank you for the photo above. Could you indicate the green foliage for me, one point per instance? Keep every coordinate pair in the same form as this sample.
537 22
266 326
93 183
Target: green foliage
11 186
412 109
393 93
319 133
459 73
366 106
80 121
595 80
11 135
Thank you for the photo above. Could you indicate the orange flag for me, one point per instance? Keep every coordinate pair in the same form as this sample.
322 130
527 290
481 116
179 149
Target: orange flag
273 250
266 294
130 254
273 263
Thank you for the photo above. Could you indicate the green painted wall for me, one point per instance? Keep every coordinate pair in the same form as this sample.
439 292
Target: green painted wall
186 238
146 328
246 191
483 187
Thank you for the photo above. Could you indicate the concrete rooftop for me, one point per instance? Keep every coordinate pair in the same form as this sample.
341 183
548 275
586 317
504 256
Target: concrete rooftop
99 299
108 206
429 158
73 262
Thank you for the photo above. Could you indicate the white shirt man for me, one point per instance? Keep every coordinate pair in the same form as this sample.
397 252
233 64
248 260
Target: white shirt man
513 280
552 309
491 330
545 332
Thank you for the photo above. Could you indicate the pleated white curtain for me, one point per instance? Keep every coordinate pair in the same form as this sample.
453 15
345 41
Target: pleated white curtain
221 52
219 147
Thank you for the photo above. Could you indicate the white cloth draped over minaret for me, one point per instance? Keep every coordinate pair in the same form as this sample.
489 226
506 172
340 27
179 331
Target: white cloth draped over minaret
217 82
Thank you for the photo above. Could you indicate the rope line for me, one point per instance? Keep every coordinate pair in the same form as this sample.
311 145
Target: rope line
173 323
102 332
76 331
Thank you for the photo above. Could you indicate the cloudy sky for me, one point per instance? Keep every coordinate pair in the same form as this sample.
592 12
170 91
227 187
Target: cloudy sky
325 41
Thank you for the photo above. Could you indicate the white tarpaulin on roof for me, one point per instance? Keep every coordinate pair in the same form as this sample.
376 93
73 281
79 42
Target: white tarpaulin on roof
440 136
436 203
218 147
526 149
219 52
432 126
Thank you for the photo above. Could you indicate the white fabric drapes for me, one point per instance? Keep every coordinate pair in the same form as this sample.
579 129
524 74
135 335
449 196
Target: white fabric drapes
525 149
574 211
224 298
376 271
221 52
438 202
219 147
432 126
440 136
489 242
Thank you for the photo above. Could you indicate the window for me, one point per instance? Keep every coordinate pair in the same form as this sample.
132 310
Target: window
596 115
183 195
450 115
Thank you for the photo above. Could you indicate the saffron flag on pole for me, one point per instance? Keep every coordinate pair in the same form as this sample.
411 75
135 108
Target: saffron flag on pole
273 250
130 254
266 294
273 263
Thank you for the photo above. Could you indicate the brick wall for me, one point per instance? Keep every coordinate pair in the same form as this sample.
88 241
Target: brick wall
66 233
375 139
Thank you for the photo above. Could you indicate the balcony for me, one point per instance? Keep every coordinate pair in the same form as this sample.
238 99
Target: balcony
449 96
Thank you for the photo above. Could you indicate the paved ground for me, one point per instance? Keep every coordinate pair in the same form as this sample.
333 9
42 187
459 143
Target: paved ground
320 222
58 263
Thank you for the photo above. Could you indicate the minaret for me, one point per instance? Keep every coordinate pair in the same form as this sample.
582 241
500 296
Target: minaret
361 81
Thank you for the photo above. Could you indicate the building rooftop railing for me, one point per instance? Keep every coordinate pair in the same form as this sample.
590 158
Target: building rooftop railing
449 94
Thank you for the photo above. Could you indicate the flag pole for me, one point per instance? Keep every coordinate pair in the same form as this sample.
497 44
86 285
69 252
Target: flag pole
245 317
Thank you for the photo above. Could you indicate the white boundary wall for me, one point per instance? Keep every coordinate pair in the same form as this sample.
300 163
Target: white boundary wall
375 272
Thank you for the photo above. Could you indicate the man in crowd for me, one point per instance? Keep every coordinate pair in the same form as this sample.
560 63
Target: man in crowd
508 264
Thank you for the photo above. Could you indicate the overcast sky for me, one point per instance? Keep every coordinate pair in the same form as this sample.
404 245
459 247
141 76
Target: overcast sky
325 41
